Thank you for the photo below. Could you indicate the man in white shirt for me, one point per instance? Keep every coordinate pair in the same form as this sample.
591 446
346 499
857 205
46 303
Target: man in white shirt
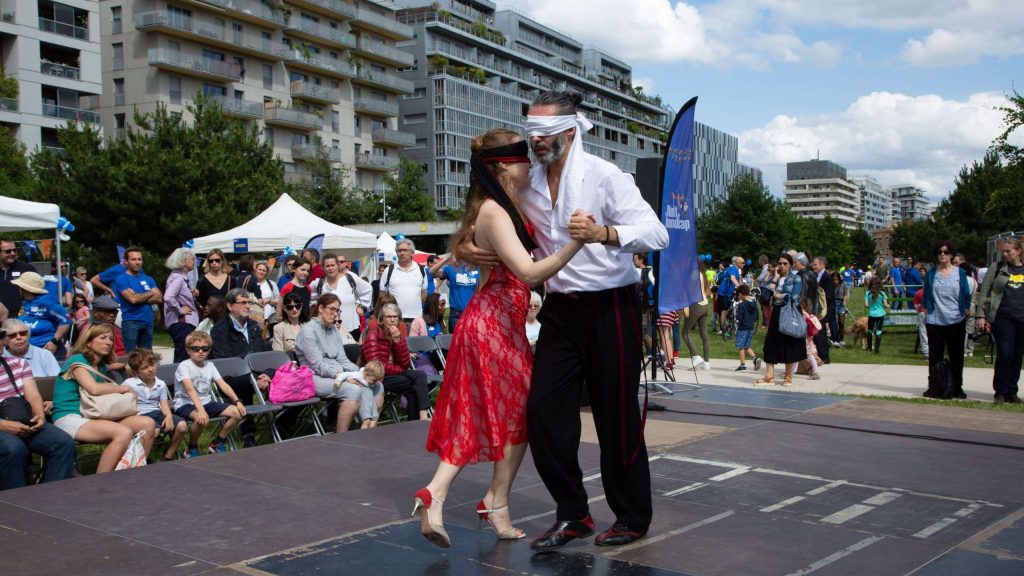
17 345
406 281
590 325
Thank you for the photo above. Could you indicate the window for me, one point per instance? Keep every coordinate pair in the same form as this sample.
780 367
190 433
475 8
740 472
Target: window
119 121
179 17
268 77
211 55
118 56
268 136
115 19
415 119
356 121
209 90
175 89
241 67
335 121
118 91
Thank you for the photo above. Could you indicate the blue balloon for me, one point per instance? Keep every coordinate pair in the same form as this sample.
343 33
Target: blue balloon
749 262
65 225
188 244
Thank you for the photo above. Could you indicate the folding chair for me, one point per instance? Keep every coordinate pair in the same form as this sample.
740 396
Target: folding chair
444 343
261 362
166 372
418 344
392 401
239 368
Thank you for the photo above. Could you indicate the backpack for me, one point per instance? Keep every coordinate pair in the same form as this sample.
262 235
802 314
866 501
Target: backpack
348 276
940 381
720 277
391 269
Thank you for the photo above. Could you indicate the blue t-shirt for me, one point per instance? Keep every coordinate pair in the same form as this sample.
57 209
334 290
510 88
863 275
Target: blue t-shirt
848 276
139 283
50 282
108 277
462 282
896 276
912 279
727 288
43 315
283 281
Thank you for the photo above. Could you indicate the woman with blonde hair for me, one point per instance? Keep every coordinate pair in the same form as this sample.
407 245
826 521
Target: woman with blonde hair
480 414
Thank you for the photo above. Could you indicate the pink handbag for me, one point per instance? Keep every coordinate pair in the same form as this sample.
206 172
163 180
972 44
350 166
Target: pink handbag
292 383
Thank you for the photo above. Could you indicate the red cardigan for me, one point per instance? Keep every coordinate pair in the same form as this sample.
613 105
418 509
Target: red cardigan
394 355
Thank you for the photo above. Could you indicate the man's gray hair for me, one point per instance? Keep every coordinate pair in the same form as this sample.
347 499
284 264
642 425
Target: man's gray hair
567 102
801 258
177 259
389 307
823 260
407 242
15 325
738 260
234 294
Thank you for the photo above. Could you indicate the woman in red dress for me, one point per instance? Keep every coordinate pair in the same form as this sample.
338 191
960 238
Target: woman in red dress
480 414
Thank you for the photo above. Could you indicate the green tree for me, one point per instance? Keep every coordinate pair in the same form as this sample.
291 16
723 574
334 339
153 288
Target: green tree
167 182
15 176
827 237
917 239
326 194
408 200
968 216
863 248
749 222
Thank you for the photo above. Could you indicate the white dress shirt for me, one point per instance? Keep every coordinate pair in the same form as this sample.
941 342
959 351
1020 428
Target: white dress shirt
612 196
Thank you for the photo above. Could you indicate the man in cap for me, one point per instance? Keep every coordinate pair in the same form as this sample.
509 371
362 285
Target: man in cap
104 311
42 312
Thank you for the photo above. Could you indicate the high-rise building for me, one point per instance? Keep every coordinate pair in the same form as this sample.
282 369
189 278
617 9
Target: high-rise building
715 165
478 68
317 76
819 188
909 203
52 49
875 203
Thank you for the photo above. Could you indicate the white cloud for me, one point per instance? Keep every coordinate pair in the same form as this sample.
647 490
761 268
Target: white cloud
960 47
923 140
644 82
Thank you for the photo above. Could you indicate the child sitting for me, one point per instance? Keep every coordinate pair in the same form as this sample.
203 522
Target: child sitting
193 395
746 317
368 378
153 398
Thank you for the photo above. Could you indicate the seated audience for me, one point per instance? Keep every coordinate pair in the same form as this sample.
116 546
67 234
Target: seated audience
286 331
532 324
216 310
385 340
41 311
87 369
431 323
193 395
300 271
104 311
154 400
237 336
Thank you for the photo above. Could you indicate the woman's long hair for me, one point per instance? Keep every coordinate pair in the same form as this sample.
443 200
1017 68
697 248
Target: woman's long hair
293 298
875 288
94 332
432 310
490 182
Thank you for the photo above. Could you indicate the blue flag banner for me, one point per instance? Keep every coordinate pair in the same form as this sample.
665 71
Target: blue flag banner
678 271
316 243
240 245
120 253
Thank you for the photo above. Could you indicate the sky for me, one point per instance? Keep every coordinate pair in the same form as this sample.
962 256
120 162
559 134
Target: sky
906 91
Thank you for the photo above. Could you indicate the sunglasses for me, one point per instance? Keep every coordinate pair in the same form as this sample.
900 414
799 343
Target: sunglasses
293 306
22 334
214 260
199 348
9 250
944 251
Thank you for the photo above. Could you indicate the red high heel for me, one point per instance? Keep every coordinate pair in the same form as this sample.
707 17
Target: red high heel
434 533
481 513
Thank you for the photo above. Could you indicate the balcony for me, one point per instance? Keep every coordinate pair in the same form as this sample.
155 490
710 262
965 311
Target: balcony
382 24
313 152
64 29
319 65
318 33
174 61
388 54
9 104
252 11
455 178
185 26
376 162
60 70
76 114
393 138
383 81
314 92
289 118
238 107
374 107
333 8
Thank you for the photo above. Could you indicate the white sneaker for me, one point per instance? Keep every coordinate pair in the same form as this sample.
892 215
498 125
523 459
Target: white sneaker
706 365
696 361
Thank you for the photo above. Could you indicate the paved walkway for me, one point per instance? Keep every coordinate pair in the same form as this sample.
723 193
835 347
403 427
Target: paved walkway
866 379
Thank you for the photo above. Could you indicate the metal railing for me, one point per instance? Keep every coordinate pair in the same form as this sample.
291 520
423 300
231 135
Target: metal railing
60 70
384 79
300 88
208 65
238 106
382 21
63 28
376 161
394 136
295 117
76 114
323 32
311 151
385 51
251 8
329 64
374 105
9 104
336 6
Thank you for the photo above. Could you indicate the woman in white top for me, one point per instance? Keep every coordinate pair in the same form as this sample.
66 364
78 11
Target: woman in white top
268 290
532 325
354 292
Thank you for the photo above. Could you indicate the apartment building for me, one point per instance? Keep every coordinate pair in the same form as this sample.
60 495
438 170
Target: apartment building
52 50
317 76
909 203
875 203
477 68
819 188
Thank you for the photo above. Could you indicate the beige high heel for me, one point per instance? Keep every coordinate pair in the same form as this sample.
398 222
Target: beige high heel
513 534
434 533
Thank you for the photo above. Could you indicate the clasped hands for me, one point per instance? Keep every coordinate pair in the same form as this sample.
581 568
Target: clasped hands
583 226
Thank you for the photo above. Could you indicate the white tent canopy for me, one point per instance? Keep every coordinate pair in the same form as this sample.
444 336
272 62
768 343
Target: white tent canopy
386 246
286 223
18 214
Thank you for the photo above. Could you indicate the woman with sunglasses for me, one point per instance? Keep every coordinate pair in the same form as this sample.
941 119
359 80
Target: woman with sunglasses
287 330
82 285
215 282
80 312
785 287
947 300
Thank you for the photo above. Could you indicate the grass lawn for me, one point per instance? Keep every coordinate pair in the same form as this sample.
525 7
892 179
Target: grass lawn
897 343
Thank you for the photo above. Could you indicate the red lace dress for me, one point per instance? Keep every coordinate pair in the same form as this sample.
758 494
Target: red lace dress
482 404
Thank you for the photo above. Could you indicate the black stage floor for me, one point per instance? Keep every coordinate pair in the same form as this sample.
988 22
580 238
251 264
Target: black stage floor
770 484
